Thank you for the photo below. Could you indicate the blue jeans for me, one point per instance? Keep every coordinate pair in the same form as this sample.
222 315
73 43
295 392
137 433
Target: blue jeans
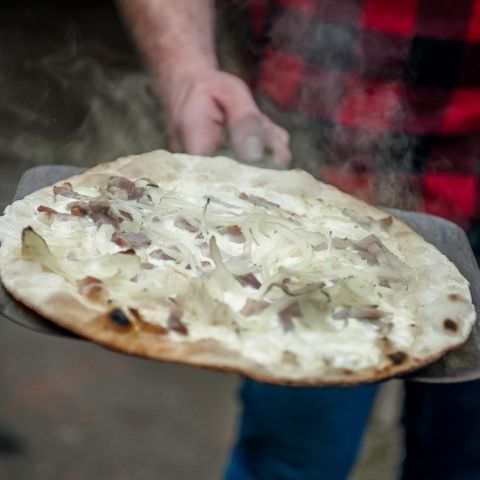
313 433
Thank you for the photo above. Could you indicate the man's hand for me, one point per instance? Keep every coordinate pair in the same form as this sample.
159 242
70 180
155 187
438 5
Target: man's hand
204 105
176 39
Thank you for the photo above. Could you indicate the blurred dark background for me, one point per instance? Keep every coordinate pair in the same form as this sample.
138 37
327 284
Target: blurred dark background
72 91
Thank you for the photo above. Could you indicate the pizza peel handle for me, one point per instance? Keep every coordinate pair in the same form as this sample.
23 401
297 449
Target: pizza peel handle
459 365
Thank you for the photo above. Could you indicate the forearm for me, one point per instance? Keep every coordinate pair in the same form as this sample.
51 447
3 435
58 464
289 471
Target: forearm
172 35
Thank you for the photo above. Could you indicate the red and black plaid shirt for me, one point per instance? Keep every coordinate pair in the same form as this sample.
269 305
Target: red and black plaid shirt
391 89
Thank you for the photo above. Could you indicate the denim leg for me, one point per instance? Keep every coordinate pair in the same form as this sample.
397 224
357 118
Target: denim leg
442 425
293 433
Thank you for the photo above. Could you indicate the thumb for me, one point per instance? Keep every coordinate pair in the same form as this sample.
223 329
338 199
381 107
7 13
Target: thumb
247 137
199 130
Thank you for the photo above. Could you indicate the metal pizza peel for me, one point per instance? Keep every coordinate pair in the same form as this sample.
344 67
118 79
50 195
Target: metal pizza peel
460 365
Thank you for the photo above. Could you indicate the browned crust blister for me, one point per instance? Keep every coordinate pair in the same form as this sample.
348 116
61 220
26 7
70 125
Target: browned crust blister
65 306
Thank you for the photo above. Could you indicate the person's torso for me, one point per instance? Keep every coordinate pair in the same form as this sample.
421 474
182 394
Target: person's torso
390 88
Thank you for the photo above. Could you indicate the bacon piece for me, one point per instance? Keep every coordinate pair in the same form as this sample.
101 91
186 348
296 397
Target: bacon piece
102 214
184 224
147 265
368 248
66 190
78 209
123 185
234 233
159 254
100 211
252 307
49 211
287 314
249 280
372 250
258 201
175 323
368 314
129 251
131 240
146 326
360 313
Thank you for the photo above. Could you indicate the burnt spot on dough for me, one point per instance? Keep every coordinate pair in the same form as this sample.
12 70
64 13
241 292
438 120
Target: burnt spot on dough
450 325
386 222
455 297
398 358
119 319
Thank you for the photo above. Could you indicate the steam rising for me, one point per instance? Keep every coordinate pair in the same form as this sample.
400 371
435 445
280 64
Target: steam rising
81 103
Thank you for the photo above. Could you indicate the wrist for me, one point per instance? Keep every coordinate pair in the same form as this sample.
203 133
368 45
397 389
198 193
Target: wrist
171 77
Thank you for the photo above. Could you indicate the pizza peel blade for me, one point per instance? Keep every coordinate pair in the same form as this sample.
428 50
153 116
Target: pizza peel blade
459 365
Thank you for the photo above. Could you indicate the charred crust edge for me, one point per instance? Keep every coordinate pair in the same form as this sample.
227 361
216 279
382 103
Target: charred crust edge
450 325
398 358
119 318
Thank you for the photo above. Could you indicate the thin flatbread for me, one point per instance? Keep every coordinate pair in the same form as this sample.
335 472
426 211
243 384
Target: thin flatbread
212 263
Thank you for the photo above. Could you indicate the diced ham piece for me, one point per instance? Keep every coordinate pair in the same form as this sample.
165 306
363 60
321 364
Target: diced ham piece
118 185
360 313
184 224
78 209
234 233
131 240
368 248
100 211
175 323
147 265
159 254
287 314
66 190
249 280
51 213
